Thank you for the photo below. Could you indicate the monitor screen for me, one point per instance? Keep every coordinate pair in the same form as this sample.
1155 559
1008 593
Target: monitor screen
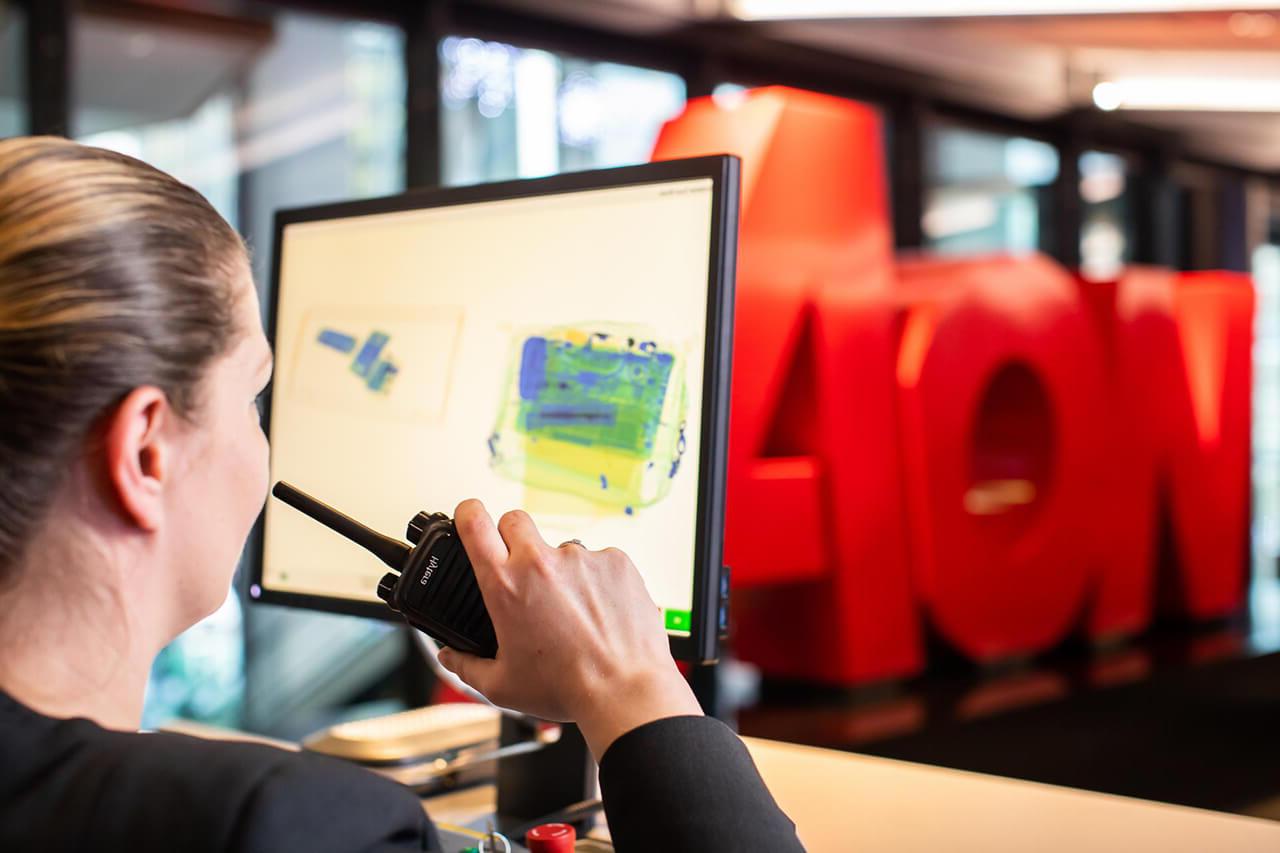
557 345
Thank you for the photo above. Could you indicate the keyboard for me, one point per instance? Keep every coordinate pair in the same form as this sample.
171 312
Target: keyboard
409 736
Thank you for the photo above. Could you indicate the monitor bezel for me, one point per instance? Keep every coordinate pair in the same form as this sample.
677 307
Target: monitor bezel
703 643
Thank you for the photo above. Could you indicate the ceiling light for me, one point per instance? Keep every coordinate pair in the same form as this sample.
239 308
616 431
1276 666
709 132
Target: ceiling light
756 10
1247 25
1190 94
1107 96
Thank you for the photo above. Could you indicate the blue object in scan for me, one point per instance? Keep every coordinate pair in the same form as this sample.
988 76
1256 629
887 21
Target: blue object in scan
368 355
336 340
381 375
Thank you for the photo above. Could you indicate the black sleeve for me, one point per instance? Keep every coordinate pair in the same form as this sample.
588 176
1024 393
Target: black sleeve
70 785
318 805
89 789
688 784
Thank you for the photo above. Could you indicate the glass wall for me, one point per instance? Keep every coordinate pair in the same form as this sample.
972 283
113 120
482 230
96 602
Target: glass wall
286 110
729 95
986 192
279 110
1265 590
1105 231
510 112
13 77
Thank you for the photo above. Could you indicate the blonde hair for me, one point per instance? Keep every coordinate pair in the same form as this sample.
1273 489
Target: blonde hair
113 275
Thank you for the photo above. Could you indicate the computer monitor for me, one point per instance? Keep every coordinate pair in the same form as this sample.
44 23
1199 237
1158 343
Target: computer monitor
559 345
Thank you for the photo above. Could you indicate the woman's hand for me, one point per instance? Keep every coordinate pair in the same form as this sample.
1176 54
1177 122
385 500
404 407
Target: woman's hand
579 639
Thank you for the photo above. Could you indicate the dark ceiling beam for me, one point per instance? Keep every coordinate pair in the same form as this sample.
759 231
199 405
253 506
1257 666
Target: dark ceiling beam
755 57
484 20
242 24
424 151
49 63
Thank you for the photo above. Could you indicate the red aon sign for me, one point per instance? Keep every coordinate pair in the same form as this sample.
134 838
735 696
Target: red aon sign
988 449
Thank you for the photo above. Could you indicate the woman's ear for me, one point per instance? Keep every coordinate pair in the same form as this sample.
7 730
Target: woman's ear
139 455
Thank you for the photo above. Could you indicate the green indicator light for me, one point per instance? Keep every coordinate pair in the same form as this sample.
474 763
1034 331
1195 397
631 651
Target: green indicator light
679 620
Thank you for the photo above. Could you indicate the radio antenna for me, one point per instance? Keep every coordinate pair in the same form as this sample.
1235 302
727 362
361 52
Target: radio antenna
385 548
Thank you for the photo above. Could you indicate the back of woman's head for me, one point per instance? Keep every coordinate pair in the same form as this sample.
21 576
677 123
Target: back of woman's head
113 276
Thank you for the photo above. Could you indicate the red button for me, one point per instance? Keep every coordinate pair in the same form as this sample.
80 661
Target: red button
551 838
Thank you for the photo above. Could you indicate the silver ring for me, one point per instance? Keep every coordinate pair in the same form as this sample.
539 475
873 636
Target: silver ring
577 542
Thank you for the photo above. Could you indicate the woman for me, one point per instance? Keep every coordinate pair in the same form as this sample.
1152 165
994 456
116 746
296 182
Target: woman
132 466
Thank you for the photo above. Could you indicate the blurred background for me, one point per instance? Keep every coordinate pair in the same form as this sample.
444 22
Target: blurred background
1103 143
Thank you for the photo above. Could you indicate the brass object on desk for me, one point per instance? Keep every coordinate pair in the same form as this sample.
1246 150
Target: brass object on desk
431 749
408 736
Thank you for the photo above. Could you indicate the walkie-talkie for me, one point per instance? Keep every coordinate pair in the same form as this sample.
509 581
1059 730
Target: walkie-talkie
433 586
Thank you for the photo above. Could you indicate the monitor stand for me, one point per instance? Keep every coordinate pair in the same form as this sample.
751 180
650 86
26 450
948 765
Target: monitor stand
555 784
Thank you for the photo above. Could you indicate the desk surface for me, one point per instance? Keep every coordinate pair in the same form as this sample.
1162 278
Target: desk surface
841 801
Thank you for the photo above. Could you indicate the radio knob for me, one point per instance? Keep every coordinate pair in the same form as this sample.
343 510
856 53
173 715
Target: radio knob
417 527
387 588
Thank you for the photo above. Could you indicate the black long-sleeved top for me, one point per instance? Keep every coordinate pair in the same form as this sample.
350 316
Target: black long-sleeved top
687 784
683 784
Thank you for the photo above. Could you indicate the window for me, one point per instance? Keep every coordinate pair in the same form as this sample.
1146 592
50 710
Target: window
1265 589
13 78
986 192
258 113
511 112
729 95
275 112
1105 244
